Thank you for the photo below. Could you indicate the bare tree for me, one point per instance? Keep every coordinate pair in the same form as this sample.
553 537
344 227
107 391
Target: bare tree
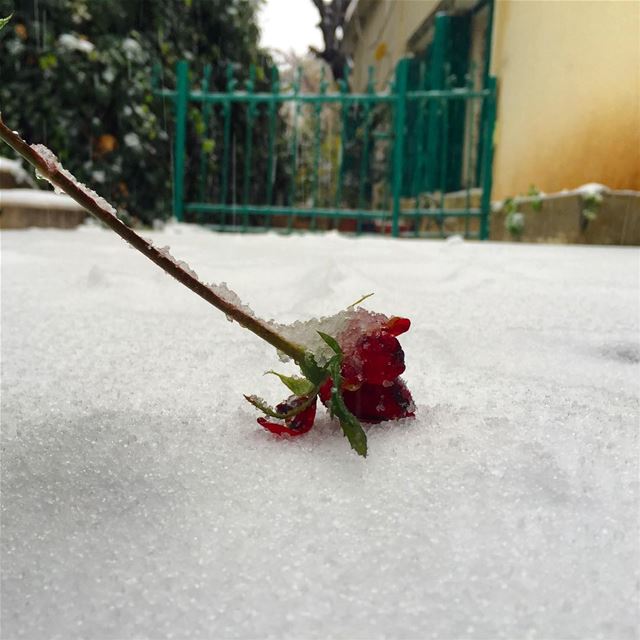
332 18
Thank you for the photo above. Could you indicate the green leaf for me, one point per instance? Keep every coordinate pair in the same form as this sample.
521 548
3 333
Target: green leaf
354 432
48 61
259 403
351 427
5 21
357 302
332 342
311 370
299 386
208 145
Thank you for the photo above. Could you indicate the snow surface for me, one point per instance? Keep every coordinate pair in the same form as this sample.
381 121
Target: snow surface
141 499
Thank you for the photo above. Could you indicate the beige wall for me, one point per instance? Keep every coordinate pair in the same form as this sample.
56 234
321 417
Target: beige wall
391 22
569 85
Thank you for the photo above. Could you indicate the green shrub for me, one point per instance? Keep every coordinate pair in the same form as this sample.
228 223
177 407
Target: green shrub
76 75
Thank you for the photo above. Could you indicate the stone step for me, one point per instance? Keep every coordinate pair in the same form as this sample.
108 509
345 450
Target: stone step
14 176
22 208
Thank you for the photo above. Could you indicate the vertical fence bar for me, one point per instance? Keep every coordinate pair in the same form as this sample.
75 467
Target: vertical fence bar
402 72
488 45
248 139
344 111
444 147
366 137
231 83
436 76
418 184
487 156
206 116
443 160
294 144
275 89
317 136
181 105
467 142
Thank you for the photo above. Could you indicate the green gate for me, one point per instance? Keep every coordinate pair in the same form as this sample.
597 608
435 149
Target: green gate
386 167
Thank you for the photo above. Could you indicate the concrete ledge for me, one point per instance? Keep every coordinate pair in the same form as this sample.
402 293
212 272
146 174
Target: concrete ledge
561 219
13 175
23 208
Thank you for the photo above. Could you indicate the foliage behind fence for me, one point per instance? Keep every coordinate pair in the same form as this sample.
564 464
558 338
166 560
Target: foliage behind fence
373 161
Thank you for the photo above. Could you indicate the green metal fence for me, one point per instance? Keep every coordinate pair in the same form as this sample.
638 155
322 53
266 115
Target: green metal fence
389 169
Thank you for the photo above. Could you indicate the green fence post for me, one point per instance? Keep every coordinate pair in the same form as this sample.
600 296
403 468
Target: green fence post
467 142
444 147
365 178
294 143
275 89
418 175
181 104
436 82
206 116
248 152
317 135
344 87
402 72
231 83
487 157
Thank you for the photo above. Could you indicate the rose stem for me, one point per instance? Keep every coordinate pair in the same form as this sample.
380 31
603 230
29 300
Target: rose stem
56 177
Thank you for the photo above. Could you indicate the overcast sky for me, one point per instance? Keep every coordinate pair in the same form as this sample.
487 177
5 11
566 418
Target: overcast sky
289 24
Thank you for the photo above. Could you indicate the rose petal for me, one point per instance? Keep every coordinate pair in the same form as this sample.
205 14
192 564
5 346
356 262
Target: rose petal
295 426
395 326
376 403
380 356
280 429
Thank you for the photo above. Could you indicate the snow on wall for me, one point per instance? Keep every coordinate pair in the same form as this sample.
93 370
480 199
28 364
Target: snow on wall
140 498
15 168
37 199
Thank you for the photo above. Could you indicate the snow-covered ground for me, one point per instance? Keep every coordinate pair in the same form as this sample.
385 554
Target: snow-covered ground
141 500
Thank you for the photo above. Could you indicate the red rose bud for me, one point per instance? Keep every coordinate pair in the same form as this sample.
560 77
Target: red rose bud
296 425
371 388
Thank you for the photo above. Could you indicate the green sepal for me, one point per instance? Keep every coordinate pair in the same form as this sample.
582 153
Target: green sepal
5 21
299 386
332 342
351 427
259 403
359 300
312 370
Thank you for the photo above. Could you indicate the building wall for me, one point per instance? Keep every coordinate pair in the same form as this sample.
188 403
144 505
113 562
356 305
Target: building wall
390 23
569 94
569 86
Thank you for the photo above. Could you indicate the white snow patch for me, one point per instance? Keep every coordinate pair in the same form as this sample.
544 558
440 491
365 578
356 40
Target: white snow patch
15 168
72 42
140 499
131 48
36 199
54 164
132 140
591 188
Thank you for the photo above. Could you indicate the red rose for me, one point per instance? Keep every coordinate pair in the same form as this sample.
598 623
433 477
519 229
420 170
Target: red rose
371 387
